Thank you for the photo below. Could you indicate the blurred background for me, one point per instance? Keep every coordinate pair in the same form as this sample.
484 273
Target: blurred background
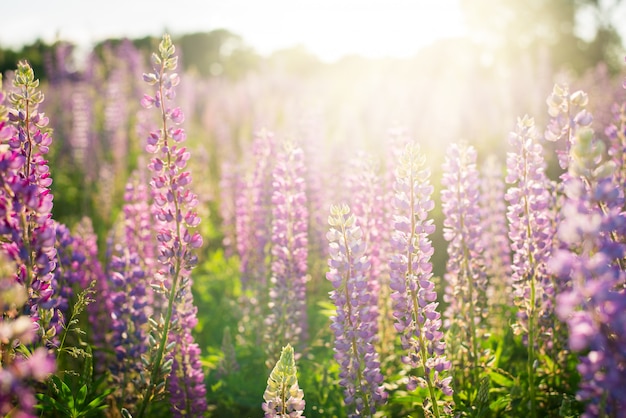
337 76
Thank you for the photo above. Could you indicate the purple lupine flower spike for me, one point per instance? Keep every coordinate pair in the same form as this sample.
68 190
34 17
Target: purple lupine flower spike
592 259
27 199
531 230
530 224
567 113
495 240
175 218
17 372
413 295
354 324
253 229
132 302
367 191
287 321
466 279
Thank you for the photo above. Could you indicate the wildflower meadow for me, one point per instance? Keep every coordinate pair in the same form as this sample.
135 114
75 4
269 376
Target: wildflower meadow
173 245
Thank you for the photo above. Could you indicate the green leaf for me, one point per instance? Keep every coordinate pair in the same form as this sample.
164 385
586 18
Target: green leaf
82 395
501 379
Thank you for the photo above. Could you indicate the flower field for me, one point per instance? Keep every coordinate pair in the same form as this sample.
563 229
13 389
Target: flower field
284 246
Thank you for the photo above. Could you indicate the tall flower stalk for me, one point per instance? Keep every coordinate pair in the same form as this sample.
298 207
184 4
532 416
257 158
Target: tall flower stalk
531 233
18 370
28 229
494 237
287 321
594 307
466 280
413 293
368 204
174 203
354 323
253 229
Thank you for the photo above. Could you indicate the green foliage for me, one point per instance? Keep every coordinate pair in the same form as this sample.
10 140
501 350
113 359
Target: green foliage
215 53
73 398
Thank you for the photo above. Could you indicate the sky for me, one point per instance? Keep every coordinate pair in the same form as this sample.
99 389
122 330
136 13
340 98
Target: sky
328 28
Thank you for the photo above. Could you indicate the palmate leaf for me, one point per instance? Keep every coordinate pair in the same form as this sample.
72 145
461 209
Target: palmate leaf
77 403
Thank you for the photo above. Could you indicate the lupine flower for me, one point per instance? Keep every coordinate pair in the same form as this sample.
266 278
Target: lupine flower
131 263
78 266
413 294
354 324
466 279
567 113
175 219
26 198
283 397
591 258
17 371
530 215
366 190
253 229
530 225
616 134
495 240
287 321
186 381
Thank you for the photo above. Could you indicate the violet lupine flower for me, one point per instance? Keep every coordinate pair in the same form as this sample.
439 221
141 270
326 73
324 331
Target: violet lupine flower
567 113
174 219
354 324
26 198
18 372
69 273
283 397
186 381
413 294
495 241
253 229
592 260
616 134
287 321
530 228
131 263
466 279
366 191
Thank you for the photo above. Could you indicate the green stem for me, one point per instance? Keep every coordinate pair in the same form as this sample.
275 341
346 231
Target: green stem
156 366
532 311
422 344
354 345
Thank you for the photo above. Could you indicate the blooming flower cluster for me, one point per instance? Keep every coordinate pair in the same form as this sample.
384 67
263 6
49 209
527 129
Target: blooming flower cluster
132 302
175 218
367 192
530 217
26 200
253 229
17 371
413 293
568 113
466 279
592 259
494 237
287 321
354 323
